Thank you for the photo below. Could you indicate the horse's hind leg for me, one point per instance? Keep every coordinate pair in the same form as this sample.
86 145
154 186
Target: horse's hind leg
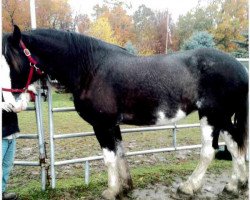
124 173
194 182
239 173
110 141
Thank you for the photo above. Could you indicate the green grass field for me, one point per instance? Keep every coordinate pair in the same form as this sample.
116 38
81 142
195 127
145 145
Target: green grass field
149 169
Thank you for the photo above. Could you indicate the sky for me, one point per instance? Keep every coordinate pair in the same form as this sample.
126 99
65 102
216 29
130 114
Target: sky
176 7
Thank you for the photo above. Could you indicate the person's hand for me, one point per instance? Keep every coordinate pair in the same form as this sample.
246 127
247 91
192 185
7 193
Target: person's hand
22 102
8 107
33 87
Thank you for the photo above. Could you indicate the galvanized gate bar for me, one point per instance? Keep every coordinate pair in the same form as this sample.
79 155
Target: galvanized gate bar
30 108
64 109
73 135
128 130
87 172
143 152
41 142
27 136
26 163
51 138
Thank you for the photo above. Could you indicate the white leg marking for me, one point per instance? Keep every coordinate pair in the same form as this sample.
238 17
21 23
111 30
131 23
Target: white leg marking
110 160
194 182
239 173
162 119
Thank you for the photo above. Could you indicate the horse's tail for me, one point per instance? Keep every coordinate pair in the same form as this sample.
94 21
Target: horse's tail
241 124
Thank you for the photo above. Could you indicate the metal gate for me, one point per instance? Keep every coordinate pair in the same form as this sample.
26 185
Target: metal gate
41 140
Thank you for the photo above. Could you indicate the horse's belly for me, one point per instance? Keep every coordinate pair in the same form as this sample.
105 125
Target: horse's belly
162 119
156 118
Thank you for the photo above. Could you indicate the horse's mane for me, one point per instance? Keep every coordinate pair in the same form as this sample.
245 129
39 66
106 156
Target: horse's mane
74 40
86 50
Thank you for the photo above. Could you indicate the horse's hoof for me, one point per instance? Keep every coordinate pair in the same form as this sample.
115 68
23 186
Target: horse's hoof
128 186
185 188
109 194
231 189
243 185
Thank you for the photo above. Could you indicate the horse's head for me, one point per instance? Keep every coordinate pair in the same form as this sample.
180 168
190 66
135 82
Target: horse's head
18 62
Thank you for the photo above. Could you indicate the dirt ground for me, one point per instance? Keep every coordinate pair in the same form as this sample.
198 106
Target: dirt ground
212 189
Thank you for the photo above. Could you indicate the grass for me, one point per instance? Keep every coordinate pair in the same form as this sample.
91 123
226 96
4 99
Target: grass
73 187
149 169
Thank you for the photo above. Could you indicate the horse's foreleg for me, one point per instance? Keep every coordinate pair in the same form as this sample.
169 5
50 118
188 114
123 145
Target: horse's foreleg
239 173
194 182
110 141
114 183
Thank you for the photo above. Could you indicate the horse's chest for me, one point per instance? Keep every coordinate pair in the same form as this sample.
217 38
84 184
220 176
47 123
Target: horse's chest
99 100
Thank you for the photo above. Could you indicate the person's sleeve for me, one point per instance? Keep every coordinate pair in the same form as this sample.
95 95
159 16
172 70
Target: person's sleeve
8 97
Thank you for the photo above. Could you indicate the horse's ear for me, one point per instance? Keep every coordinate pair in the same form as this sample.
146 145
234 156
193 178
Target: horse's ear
16 36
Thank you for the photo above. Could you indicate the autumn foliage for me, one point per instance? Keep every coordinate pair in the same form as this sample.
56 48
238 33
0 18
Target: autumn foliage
102 29
147 30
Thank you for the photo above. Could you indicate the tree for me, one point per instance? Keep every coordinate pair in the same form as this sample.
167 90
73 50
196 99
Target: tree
130 47
199 40
224 19
16 12
81 23
198 19
49 14
242 51
162 27
119 20
100 11
231 22
118 3
122 24
54 14
101 29
144 23
143 18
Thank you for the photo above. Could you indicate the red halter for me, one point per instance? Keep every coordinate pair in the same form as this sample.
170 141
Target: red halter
33 66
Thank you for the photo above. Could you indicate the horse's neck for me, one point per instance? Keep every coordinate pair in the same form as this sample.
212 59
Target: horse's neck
68 68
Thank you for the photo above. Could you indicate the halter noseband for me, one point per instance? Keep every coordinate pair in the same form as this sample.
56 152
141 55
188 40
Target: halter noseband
33 66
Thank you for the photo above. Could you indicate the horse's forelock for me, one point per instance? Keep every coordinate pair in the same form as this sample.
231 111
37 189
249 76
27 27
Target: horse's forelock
12 56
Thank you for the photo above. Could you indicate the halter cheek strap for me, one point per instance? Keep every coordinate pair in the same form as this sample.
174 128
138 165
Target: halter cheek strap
33 66
32 60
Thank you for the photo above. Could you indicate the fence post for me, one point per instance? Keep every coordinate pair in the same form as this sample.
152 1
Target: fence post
40 132
87 172
51 134
174 136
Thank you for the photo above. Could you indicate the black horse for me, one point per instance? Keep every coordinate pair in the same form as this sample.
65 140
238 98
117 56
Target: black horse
110 86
